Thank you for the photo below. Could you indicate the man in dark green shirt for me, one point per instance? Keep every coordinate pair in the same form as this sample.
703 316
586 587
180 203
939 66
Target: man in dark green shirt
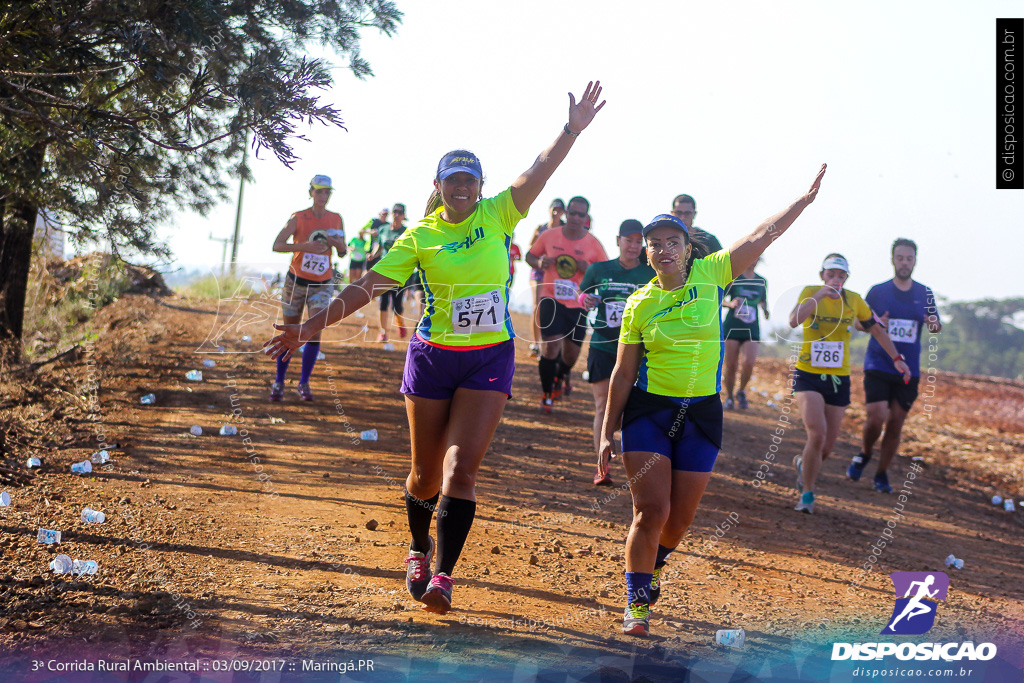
685 209
605 287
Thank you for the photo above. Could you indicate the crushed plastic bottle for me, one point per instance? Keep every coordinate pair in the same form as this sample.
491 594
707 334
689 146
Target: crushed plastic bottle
246 338
90 516
194 375
321 356
222 349
389 346
5 499
47 536
208 363
33 462
368 435
196 430
586 376
148 399
366 328
228 430
84 467
79 567
954 561
1008 505
771 404
997 500
779 396
100 458
62 564
360 314
730 637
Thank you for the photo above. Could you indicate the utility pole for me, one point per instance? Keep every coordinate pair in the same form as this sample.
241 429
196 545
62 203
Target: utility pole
224 252
238 211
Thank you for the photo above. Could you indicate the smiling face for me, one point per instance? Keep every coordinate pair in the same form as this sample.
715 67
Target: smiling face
834 278
668 250
459 193
903 261
630 247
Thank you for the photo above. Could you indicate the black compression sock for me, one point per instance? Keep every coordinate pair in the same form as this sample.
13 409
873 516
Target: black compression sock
454 519
420 513
548 370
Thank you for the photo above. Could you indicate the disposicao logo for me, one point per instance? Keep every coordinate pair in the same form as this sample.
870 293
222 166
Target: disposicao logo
917 594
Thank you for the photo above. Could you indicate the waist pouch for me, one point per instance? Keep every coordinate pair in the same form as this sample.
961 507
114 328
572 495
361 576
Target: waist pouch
705 412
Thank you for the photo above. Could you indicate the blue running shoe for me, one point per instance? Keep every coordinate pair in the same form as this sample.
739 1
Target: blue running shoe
882 483
806 503
856 467
418 574
637 619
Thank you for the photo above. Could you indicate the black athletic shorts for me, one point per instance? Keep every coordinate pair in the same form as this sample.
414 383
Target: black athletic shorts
834 388
599 365
742 333
886 386
558 321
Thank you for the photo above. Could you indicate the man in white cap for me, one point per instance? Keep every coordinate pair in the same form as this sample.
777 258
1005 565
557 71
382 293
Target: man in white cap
309 283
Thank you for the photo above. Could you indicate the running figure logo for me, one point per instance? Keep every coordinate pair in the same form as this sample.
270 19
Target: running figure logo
914 613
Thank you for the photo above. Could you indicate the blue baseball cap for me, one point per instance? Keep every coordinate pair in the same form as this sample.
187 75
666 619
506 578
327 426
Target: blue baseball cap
459 161
665 220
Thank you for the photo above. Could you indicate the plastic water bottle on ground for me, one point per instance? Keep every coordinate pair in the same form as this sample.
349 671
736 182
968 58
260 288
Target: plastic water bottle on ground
997 500
730 637
5 499
360 314
33 462
90 516
84 467
100 458
954 561
196 430
148 399
366 328
321 356
61 564
389 346
246 338
228 430
586 376
368 435
222 349
194 375
207 363
1008 505
79 567
48 536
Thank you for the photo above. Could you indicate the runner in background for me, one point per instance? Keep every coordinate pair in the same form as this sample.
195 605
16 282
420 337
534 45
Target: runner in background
665 388
372 227
392 299
358 249
309 284
821 379
908 308
514 254
459 366
742 332
563 254
556 213
684 207
605 287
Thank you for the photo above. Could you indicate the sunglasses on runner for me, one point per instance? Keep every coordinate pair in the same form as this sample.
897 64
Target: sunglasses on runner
578 214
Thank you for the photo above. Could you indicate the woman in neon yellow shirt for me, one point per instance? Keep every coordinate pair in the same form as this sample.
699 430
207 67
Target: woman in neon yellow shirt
664 391
458 370
821 378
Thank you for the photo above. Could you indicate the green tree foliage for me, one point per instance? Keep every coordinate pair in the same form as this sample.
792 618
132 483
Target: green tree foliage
982 339
115 112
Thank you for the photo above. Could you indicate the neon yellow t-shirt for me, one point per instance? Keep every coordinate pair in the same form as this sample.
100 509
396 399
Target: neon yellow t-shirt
826 347
681 330
464 271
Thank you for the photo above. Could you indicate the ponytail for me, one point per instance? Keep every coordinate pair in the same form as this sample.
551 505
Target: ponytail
698 250
434 203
